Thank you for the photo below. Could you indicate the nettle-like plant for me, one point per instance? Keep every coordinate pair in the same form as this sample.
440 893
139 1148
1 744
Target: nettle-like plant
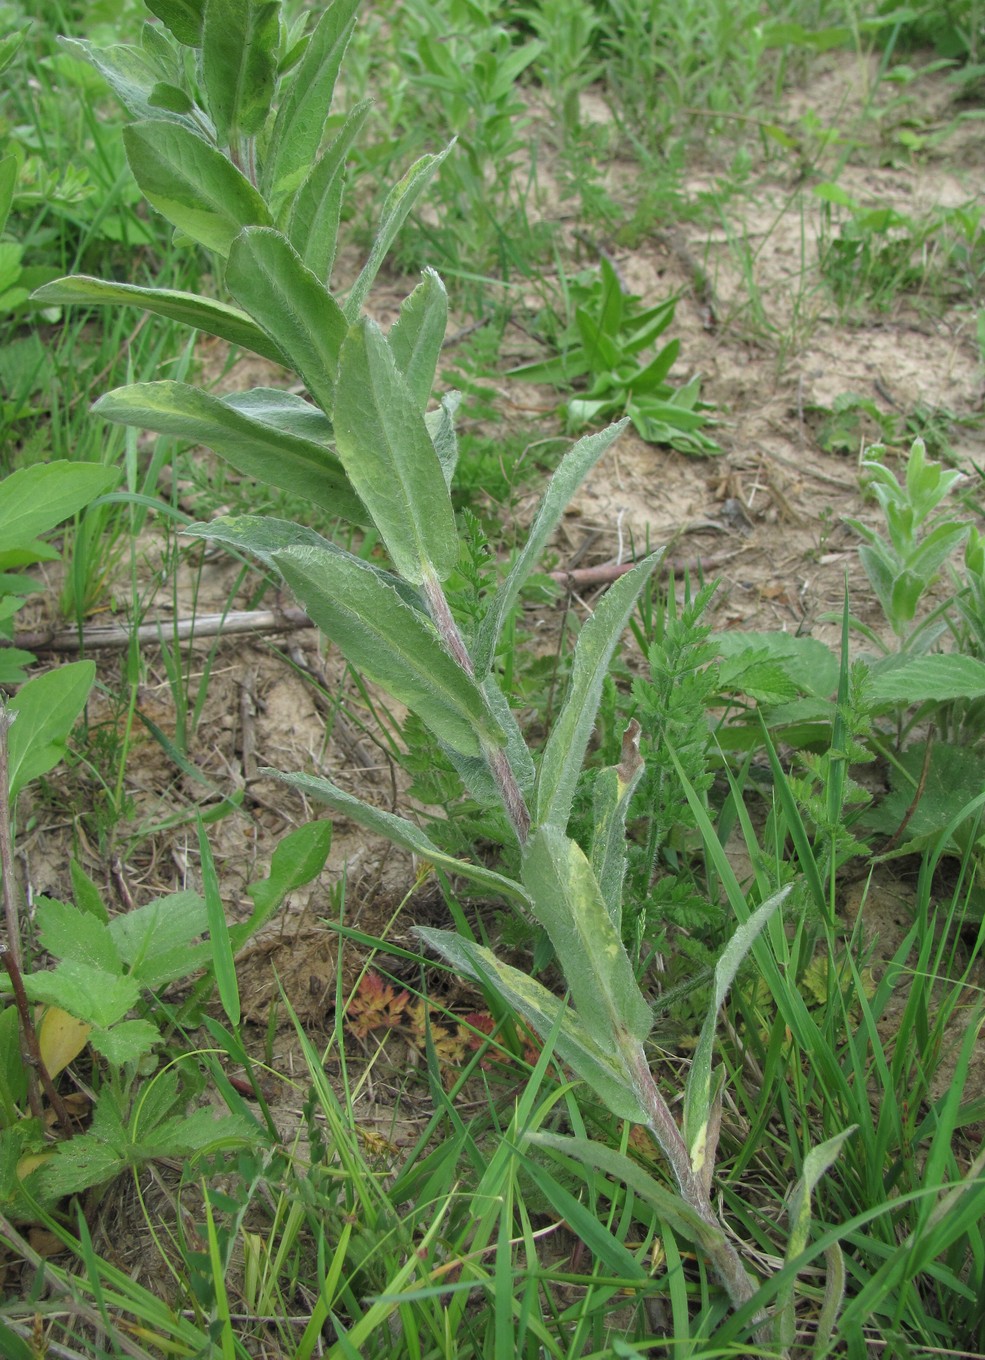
228 146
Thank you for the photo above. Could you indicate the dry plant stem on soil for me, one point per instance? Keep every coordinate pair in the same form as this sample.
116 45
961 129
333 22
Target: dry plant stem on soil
11 955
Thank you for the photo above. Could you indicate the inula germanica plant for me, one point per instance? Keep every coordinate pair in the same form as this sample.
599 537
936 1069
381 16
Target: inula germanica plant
237 157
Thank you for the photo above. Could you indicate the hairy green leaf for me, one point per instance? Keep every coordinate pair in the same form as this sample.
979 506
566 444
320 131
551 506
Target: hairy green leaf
406 834
267 277
205 314
565 750
253 431
569 904
417 335
182 17
387 452
571 472
312 225
394 645
300 122
575 1043
192 184
240 39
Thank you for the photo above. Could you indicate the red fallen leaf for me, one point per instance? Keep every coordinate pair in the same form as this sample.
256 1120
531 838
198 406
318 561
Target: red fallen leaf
375 1005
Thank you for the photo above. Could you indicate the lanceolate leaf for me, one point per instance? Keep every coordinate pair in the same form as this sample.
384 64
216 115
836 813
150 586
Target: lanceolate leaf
267 277
300 123
385 448
399 202
248 438
313 219
569 904
35 499
571 472
192 184
182 17
391 643
129 74
46 708
215 318
575 1044
611 796
418 333
564 753
240 39
403 833
698 1092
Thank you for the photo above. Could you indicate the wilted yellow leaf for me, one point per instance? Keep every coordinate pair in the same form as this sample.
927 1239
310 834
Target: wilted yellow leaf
62 1038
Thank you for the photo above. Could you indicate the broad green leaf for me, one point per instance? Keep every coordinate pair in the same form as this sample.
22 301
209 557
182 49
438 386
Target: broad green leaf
67 932
392 644
571 472
950 779
192 184
807 662
46 708
387 452
564 752
170 97
223 966
568 902
611 794
399 202
182 17
37 498
669 1205
240 40
81 1162
417 335
313 219
266 276
914 680
126 1042
698 1092
300 122
248 430
575 1044
298 858
262 536
90 994
401 832
215 318
156 940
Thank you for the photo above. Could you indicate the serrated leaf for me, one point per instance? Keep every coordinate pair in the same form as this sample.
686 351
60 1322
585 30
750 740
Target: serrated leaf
300 123
240 40
61 1038
571 472
398 204
385 448
155 940
67 932
205 314
47 707
313 219
86 895
401 832
126 1042
256 433
568 902
192 184
267 277
575 1044
698 1091
564 752
90 994
35 499
809 663
417 335
391 643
